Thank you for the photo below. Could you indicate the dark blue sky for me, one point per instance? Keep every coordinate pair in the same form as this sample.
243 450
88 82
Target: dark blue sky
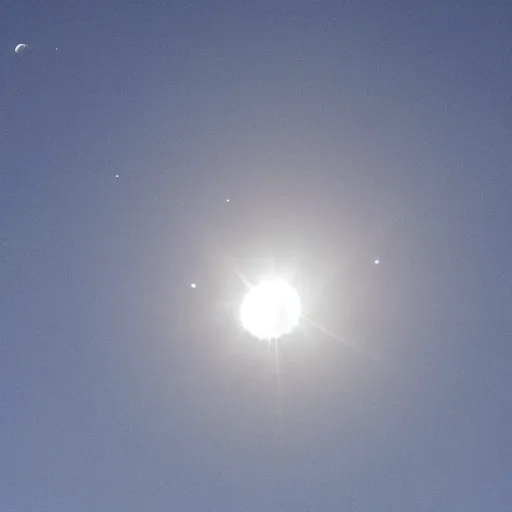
341 132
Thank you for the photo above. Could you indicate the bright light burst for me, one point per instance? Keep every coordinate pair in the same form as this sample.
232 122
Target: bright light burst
271 310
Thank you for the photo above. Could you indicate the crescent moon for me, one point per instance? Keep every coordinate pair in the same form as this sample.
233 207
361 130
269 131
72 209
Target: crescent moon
19 48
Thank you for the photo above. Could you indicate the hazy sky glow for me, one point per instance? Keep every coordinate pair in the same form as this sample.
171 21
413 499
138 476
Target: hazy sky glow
167 144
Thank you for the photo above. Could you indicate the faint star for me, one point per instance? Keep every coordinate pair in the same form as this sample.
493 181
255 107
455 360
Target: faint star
377 262
193 285
117 175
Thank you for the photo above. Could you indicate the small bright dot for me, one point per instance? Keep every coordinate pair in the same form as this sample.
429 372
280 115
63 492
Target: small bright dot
193 285
227 200
377 262
270 310
117 175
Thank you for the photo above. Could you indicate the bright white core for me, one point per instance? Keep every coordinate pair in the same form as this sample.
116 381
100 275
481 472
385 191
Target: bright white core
270 310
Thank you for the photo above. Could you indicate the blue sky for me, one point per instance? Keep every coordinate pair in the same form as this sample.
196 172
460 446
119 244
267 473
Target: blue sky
341 132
